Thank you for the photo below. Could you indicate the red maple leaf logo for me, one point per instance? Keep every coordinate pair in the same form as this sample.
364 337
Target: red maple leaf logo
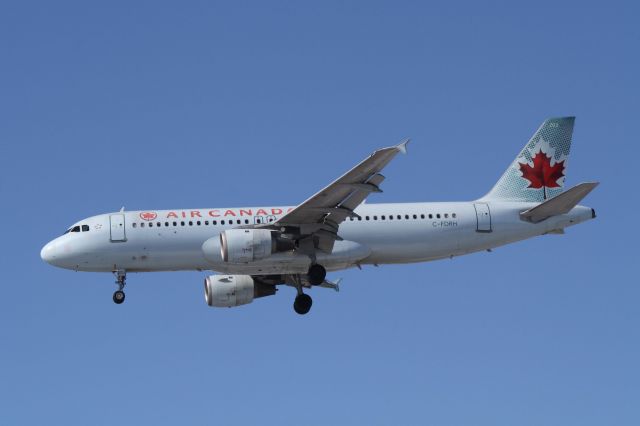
148 215
542 174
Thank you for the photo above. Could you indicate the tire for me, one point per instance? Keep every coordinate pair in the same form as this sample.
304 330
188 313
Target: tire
118 297
302 304
316 274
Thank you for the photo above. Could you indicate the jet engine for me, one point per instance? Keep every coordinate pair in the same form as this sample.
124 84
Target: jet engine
226 291
248 245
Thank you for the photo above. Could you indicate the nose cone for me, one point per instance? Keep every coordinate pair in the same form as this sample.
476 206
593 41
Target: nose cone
47 253
62 253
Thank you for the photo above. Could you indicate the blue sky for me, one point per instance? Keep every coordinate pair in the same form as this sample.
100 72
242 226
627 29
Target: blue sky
159 105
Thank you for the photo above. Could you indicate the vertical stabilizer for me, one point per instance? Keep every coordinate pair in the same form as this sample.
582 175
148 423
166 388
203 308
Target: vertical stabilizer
538 172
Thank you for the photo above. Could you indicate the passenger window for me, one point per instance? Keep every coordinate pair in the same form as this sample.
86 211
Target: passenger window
182 223
198 223
158 224
367 217
390 217
85 228
190 223
438 215
399 217
375 218
175 223
134 224
382 217
238 221
215 222
222 222
142 225
166 224
246 221
150 224
406 216
359 217
206 222
453 215
446 215
430 216
415 216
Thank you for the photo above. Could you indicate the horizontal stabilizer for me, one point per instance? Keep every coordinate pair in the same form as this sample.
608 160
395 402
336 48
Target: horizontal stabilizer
559 204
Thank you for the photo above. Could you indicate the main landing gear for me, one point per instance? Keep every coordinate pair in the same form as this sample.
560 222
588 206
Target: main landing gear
121 278
302 303
316 277
316 274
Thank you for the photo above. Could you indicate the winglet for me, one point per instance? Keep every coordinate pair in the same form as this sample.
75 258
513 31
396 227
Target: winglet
402 146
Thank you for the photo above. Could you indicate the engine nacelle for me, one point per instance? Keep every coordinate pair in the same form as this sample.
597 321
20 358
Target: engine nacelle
226 291
246 245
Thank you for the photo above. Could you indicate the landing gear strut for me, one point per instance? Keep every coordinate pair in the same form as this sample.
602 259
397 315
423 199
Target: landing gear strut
121 279
316 274
302 303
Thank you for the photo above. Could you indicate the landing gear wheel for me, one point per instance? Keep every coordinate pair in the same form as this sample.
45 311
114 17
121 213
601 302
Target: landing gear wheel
316 274
118 297
121 280
302 304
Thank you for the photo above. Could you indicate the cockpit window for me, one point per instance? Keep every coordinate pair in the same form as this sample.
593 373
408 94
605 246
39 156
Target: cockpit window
77 228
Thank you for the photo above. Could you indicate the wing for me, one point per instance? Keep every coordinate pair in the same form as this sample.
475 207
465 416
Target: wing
319 217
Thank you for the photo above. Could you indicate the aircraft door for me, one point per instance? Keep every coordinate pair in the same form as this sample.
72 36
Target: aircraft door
483 217
117 227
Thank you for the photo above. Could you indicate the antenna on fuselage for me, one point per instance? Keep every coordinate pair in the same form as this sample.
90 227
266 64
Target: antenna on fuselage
121 209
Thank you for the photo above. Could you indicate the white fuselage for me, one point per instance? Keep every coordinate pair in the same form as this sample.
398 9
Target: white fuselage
172 240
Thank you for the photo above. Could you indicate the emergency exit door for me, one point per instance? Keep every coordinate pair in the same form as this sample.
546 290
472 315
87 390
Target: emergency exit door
117 228
483 216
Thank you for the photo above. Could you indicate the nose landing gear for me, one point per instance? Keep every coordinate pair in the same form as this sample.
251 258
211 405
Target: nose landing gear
118 297
121 278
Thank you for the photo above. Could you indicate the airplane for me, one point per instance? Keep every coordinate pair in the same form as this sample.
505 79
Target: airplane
253 250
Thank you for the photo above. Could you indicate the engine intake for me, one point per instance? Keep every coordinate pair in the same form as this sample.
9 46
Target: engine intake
226 291
248 245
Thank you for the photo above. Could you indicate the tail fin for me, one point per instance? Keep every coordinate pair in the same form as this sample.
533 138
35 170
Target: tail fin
538 172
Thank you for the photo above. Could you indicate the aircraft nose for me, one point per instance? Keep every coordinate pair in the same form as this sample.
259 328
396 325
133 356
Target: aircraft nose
47 253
